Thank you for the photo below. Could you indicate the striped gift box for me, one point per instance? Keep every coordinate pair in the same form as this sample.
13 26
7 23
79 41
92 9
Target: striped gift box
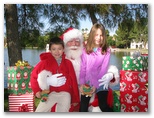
17 101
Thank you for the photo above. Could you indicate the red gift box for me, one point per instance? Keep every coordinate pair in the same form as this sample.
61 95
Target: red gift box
21 103
133 91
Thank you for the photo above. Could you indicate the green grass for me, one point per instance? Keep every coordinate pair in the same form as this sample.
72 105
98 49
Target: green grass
144 51
6 104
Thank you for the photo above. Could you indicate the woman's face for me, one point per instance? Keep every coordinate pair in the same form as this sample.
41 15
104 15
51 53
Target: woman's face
56 50
98 37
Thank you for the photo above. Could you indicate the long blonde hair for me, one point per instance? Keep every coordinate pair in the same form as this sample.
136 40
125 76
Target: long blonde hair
90 42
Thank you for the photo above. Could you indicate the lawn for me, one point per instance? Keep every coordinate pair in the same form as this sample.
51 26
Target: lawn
144 51
6 104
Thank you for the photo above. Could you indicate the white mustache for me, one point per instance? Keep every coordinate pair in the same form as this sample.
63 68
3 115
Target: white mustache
73 47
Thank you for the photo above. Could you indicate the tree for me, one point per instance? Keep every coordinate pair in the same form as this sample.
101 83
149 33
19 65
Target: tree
29 23
86 30
133 27
107 14
13 42
61 17
83 30
27 20
139 31
110 41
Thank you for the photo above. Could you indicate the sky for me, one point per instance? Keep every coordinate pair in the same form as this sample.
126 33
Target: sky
150 114
83 24
88 24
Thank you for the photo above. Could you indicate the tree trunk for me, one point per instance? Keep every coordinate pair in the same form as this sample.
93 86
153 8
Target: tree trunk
91 12
93 18
13 43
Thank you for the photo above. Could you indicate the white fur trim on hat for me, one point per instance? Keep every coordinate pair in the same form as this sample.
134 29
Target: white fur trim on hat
42 79
74 33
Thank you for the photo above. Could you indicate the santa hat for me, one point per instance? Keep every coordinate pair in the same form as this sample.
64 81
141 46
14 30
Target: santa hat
71 33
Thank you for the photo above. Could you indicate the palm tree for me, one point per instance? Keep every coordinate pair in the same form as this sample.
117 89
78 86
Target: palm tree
86 30
83 31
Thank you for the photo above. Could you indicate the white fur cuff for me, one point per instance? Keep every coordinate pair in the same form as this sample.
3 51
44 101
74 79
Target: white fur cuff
113 69
42 79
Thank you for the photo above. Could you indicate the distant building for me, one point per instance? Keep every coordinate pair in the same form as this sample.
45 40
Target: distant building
135 45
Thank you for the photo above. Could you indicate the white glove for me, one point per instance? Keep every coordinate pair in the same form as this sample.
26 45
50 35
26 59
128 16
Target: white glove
56 81
105 80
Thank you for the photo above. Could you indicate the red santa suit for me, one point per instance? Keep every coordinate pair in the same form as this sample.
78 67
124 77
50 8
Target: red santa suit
49 64
73 53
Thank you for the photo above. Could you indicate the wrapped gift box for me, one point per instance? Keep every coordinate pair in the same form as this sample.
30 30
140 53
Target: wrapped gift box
139 63
134 91
116 101
19 79
21 103
146 59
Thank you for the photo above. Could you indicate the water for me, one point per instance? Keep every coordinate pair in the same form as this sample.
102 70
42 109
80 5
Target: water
116 59
32 56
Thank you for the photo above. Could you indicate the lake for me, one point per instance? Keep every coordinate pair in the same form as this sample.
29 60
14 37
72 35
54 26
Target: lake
32 56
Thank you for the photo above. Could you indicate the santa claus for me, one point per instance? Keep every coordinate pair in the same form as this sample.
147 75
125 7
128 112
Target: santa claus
73 40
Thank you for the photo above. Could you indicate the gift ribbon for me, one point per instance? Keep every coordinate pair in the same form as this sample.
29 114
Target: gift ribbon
23 108
146 86
22 63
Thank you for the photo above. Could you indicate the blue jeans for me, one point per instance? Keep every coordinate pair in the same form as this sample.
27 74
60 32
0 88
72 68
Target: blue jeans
101 89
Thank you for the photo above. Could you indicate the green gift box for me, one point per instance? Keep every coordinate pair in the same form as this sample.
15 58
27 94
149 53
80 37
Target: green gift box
19 79
116 101
146 60
139 63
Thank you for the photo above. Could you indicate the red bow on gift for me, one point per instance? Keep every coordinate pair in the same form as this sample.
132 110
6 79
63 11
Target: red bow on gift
23 108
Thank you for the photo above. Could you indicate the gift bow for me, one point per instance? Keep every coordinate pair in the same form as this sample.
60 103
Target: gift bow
23 108
22 63
136 54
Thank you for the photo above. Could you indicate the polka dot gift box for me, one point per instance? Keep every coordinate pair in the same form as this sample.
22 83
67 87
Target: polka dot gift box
139 63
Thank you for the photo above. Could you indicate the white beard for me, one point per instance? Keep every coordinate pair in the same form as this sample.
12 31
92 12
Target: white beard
74 57
75 54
